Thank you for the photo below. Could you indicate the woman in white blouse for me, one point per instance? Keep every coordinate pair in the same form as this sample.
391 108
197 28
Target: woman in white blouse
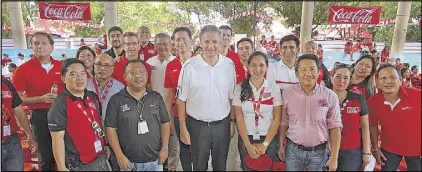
257 105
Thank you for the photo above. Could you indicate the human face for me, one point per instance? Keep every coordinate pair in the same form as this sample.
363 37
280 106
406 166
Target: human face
272 38
397 61
415 71
163 46
406 74
116 39
104 67
310 49
11 69
289 50
41 46
182 42
307 73
21 57
87 57
75 78
363 68
131 46
136 75
245 50
257 67
209 43
341 79
388 80
144 35
226 36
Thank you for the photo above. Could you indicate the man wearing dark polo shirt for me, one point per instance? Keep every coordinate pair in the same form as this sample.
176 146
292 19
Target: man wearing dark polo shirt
137 123
40 79
75 123
397 109
147 49
115 34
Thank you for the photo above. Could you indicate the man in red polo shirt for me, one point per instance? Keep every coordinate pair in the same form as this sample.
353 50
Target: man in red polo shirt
245 49
226 34
147 49
5 60
397 109
131 52
40 79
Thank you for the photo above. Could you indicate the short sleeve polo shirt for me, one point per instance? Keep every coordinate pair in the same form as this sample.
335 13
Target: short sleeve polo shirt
158 71
147 52
9 100
119 70
282 75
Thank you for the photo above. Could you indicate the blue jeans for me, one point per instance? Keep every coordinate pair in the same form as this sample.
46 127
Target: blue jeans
393 161
297 159
350 160
12 155
148 166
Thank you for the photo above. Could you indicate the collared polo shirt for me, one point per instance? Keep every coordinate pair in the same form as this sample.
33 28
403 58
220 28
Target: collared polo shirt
310 117
158 73
123 114
271 97
241 71
282 75
233 55
116 86
206 89
79 139
119 70
34 80
9 100
352 108
360 88
113 54
147 52
401 124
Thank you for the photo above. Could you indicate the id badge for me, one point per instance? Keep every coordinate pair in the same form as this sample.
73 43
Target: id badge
97 145
6 130
256 135
141 56
142 127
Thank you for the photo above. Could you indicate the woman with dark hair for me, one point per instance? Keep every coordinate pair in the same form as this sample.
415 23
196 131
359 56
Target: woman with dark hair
405 75
385 53
257 105
353 153
87 55
362 81
197 51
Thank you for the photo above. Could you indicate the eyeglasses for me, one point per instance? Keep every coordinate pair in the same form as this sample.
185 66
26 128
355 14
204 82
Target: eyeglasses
130 44
106 66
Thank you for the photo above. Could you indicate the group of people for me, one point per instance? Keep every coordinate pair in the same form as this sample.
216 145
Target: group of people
137 107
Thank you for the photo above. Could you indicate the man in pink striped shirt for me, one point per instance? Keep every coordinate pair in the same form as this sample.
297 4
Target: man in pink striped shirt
311 117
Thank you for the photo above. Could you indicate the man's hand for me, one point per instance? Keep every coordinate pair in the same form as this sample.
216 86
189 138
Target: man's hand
123 162
162 156
282 153
378 155
332 164
32 143
108 152
232 129
185 136
49 97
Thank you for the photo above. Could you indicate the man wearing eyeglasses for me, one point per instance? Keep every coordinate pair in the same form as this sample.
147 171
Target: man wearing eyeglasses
105 86
75 124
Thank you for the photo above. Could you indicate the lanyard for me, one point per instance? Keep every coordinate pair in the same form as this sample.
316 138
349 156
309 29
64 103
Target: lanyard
246 71
104 94
95 126
257 106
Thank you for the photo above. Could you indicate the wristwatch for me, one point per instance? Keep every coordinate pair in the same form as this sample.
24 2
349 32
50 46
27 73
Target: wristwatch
265 144
165 149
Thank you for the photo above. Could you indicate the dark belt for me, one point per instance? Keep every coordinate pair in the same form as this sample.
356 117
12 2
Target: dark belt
211 123
311 148
8 139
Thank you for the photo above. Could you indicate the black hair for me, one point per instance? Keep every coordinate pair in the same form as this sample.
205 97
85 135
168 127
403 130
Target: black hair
403 70
182 29
49 37
12 65
387 66
374 64
7 55
82 40
307 57
246 89
290 38
134 61
20 54
245 39
197 49
66 63
90 50
227 28
65 54
370 88
115 28
413 67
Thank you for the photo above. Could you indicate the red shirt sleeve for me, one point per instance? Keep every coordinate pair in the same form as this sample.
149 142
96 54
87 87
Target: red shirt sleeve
19 79
167 81
148 68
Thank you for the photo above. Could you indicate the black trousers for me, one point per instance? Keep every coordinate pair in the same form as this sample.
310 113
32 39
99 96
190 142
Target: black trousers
184 153
42 136
205 137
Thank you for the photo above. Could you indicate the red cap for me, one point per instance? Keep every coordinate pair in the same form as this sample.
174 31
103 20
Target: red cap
263 163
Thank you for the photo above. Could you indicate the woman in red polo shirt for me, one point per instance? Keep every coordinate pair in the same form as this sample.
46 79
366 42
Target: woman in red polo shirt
362 81
385 53
87 55
354 116
405 74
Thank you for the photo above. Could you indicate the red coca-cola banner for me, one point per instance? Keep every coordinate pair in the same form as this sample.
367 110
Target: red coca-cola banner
353 15
65 11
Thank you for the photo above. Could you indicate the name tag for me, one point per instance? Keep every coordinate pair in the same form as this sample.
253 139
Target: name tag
352 109
97 145
256 134
6 130
142 127
141 56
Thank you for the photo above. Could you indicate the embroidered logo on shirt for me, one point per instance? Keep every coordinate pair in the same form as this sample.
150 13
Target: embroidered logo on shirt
266 95
57 73
125 107
406 108
352 110
175 70
356 90
151 51
322 103
6 94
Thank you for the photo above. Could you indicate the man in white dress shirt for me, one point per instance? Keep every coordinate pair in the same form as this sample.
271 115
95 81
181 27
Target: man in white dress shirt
206 85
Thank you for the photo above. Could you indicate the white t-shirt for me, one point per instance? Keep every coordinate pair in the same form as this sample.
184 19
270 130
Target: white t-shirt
271 97
282 75
206 89
158 71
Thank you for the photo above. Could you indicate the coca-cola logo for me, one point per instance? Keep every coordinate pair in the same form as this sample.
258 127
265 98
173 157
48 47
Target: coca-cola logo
64 11
360 16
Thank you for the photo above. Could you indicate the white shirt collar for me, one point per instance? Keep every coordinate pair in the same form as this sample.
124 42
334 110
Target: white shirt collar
204 63
263 85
